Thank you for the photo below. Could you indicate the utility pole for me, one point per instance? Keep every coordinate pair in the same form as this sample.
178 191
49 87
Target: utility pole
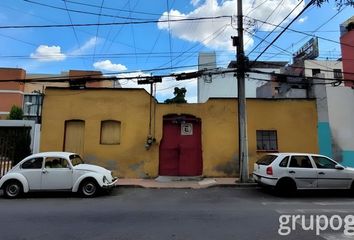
242 117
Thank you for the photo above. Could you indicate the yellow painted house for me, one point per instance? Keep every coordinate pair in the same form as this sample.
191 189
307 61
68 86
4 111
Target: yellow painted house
127 131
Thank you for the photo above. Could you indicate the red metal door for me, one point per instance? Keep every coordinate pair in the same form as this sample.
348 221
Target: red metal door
181 146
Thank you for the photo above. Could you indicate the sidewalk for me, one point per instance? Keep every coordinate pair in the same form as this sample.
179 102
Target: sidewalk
183 183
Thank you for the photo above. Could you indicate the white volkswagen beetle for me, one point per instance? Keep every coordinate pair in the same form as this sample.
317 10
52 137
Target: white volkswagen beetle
48 171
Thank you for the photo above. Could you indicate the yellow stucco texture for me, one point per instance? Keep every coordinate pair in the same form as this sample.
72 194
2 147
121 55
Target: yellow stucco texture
294 120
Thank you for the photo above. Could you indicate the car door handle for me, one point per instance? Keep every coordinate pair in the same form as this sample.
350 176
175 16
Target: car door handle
291 171
321 173
44 171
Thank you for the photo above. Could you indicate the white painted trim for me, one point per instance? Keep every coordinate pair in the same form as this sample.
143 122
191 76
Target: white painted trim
11 91
4 112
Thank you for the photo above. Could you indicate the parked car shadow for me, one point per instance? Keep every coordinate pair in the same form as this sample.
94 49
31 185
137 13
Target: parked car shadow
318 193
62 194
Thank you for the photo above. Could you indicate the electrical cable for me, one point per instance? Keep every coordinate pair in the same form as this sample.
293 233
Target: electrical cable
284 19
114 23
82 12
281 33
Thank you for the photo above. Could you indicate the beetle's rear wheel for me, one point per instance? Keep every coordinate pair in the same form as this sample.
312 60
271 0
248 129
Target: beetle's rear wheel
13 189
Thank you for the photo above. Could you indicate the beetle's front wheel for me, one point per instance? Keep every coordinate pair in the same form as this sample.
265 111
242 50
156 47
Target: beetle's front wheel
89 188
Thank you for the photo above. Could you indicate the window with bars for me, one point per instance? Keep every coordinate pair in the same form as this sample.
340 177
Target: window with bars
337 73
267 140
32 105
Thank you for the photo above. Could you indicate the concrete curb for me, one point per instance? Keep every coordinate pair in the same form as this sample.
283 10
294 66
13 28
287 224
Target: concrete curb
191 185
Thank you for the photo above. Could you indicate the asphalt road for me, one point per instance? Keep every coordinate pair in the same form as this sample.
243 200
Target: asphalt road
136 213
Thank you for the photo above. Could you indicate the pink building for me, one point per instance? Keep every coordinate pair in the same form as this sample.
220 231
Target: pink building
347 46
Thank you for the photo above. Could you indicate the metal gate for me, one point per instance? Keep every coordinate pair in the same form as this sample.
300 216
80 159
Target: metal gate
14 146
181 146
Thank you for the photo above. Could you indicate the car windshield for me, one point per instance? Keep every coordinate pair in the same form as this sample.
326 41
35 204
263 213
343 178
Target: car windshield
266 159
76 160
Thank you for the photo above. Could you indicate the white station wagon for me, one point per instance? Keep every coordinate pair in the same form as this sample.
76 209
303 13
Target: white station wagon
290 171
48 171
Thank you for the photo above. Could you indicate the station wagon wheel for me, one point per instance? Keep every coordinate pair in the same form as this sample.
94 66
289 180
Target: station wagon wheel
89 188
286 187
13 189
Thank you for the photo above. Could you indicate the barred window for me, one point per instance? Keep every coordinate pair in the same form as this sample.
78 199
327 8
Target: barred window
337 73
267 140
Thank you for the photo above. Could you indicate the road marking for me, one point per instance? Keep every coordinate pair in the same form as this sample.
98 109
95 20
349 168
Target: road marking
336 236
334 203
314 211
316 203
282 203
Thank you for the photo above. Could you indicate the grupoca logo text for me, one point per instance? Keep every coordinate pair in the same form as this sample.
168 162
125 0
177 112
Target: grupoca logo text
317 223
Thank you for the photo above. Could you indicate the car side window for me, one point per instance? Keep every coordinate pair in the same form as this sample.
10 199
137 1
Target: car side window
300 162
322 162
284 162
34 163
54 162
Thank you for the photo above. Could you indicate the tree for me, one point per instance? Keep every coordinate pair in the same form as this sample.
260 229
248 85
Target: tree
180 94
16 113
339 3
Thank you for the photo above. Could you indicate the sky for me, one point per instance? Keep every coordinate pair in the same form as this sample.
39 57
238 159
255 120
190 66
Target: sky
157 45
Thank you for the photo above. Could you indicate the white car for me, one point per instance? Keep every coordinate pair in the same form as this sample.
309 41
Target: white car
287 172
48 171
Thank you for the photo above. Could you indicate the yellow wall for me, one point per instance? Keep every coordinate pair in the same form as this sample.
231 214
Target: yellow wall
294 120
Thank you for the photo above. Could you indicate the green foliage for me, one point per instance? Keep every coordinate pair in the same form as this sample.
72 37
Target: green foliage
339 3
16 113
180 94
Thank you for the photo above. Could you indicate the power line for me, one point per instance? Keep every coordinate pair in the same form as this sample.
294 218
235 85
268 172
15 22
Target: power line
97 29
216 33
73 28
281 33
194 74
169 32
291 12
115 9
114 23
304 33
263 39
82 12
267 20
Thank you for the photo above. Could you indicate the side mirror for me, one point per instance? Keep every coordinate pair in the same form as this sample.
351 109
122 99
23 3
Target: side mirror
339 167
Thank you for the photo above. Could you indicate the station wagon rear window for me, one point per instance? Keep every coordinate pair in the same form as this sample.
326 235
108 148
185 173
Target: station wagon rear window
266 159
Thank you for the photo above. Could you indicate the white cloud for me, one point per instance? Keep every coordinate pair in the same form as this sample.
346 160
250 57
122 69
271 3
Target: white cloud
195 2
216 33
303 19
86 46
46 53
107 65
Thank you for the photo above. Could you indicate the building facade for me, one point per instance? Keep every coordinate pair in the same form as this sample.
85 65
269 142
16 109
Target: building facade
347 43
25 90
225 84
121 130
